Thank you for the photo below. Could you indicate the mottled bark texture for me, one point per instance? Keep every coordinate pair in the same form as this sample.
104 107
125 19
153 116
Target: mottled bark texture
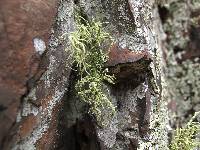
39 85
181 22
24 31
135 56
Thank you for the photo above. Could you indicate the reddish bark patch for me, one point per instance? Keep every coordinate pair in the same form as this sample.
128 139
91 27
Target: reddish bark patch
124 62
118 56
172 106
20 22
50 137
27 126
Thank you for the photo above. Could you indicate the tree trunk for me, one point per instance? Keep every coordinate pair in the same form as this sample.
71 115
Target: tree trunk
39 107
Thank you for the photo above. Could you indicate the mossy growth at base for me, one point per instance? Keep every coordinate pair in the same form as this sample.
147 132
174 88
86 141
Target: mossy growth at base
184 138
88 43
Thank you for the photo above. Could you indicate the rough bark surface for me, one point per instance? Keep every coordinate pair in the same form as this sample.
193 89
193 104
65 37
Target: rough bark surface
24 31
40 87
182 26
134 58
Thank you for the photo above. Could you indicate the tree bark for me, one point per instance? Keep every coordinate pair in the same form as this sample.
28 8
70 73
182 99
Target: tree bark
50 116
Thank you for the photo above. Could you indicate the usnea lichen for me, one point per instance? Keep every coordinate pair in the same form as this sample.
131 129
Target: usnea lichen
90 58
184 138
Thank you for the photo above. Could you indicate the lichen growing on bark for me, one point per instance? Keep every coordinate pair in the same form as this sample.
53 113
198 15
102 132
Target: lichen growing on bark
52 85
182 69
185 138
90 58
180 21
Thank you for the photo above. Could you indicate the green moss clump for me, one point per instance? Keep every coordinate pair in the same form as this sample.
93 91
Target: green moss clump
90 58
184 138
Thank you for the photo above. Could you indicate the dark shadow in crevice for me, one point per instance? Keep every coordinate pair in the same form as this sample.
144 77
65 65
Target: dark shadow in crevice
143 124
177 49
192 49
163 13
76 132
120 90
76 2
2 108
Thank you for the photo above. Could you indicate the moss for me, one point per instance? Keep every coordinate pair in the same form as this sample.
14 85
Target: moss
87 43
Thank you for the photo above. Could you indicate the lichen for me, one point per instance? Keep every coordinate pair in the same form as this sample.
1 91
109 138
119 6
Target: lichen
39 45
182 78
90 58
159 135
159 119
178 25
135 32
185 138
185 79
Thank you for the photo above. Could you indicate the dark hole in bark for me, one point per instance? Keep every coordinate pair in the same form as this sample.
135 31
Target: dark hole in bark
164 13
195 37
177 49
76 2
195 13
120 137
189 113
192 50
81 136
2 108
133 144
143 125
76 132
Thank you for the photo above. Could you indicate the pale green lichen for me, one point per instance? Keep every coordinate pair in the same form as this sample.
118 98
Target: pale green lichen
136 40
184 138
183 79
90 58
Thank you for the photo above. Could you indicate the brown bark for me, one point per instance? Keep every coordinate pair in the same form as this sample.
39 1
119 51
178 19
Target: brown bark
20 23
39 85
